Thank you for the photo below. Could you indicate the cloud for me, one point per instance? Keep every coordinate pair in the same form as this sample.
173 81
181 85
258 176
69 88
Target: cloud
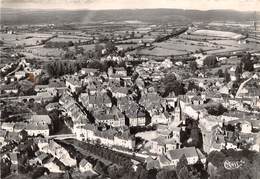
243 5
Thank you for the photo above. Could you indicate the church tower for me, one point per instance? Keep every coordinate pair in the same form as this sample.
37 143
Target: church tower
177 119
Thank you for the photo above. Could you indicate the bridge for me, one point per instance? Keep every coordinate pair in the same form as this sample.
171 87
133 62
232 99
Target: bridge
63 136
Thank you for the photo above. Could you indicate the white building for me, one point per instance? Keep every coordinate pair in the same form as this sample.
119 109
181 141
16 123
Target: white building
85 166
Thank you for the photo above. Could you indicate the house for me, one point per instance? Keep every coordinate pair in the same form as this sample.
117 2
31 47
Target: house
123 103
257 67
112 117
189 152
152 163
12 136
42 158
120 71
44 88
163 161
60 153
85 166
55 166
234 74
197 100
3 134
135 118
14 158
110 137
161 145
160 117
43 119
120 92
51 106
73 84
8 126
124 139
89 71
246 127
42 143
19 75
35 129
11 88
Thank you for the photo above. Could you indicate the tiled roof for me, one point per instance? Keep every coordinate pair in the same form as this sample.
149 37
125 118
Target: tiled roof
177 153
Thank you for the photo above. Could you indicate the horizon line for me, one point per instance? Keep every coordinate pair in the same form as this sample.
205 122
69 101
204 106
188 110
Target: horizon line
162 8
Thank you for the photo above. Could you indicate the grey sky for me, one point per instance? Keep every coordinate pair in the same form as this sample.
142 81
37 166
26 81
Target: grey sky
242 5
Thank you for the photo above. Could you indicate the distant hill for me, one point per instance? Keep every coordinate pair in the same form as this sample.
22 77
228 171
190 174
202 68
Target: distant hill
18 17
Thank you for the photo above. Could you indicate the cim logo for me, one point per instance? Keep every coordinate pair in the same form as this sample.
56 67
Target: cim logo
232 165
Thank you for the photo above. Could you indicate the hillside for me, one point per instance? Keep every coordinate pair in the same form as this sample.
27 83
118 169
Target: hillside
18 17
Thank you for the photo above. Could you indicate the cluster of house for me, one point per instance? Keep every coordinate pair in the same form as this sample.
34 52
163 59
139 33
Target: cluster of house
238 130
48 154
103 106
172 157
10 84
34 125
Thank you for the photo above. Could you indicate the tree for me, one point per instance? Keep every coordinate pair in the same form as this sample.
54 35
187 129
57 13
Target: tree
175 86
110 47
141 172
26 88
192 86
59 68
220 73
247 62
98 50
166 174
216 109
183 162
226 76
193 66
210 61
184 173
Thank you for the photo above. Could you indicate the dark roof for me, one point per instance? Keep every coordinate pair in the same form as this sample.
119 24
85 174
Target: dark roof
188 152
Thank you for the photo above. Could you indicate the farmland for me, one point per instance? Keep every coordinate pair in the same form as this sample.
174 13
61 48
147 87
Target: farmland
157 51
216 33
40 51
23 39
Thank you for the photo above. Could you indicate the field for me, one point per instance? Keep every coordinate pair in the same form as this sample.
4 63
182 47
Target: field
200 37
215 33
157 51
67 38
177 47
125 46
184 45
23 39
44 52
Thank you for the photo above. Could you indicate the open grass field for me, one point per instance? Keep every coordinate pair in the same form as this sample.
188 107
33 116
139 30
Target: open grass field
23 39
158 51
216 33
184 45
44 52
200 37
73 38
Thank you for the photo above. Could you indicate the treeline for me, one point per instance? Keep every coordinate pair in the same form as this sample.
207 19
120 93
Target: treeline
170 84
230 164
62 44
59 68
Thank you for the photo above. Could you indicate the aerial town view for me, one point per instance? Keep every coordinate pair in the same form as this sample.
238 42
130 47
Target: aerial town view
130 89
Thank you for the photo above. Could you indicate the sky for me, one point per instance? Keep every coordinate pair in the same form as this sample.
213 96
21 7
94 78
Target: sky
240 5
